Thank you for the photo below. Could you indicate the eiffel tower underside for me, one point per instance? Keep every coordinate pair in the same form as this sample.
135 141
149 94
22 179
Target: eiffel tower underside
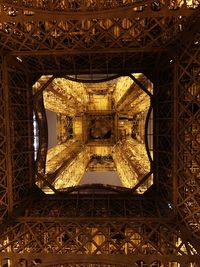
100 40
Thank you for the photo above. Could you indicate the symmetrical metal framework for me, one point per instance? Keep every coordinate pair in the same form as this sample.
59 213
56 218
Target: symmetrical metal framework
111 130
158 38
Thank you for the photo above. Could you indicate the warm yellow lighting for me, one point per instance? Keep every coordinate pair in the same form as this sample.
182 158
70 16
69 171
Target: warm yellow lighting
73 173
126 173
78 127
99 102
107 129
40 82
57 155
101 150
122 85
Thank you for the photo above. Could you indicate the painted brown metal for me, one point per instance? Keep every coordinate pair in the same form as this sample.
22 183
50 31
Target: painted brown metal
95 229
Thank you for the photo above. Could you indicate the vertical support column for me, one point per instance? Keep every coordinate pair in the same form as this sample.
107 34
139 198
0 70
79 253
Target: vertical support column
3 146
188 128
163 117
18 128
175 137
188 138
7 134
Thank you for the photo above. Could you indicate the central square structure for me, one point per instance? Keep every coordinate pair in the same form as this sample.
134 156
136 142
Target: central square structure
100 128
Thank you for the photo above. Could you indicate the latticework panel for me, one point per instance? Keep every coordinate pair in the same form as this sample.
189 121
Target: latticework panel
126 229
11 7
99 41
90 64
21 133
163 127
96 224
99 206
98 261
16 146
188 134
94 43
67 229
73 236
3 148
89 33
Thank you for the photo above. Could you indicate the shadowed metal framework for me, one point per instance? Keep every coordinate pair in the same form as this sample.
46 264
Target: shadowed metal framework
158 38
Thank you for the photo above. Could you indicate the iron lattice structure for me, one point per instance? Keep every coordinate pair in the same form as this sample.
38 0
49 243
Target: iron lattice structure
158 38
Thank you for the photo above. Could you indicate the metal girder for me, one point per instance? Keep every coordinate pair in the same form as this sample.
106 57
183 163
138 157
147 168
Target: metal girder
57 260
188 129
97 225
21 132
114 35
163 104
187 34
7 115
101 206
101 9
49 227
17 161
119 63
74 153
187 237
3 162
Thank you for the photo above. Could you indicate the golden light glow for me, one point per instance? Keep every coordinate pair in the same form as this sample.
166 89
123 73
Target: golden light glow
73 173
99 102
77 90
107 129
40 82
122 85
78 128
60 153
127 174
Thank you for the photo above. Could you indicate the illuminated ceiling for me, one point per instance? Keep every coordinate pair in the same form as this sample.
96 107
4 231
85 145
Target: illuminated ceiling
101 127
